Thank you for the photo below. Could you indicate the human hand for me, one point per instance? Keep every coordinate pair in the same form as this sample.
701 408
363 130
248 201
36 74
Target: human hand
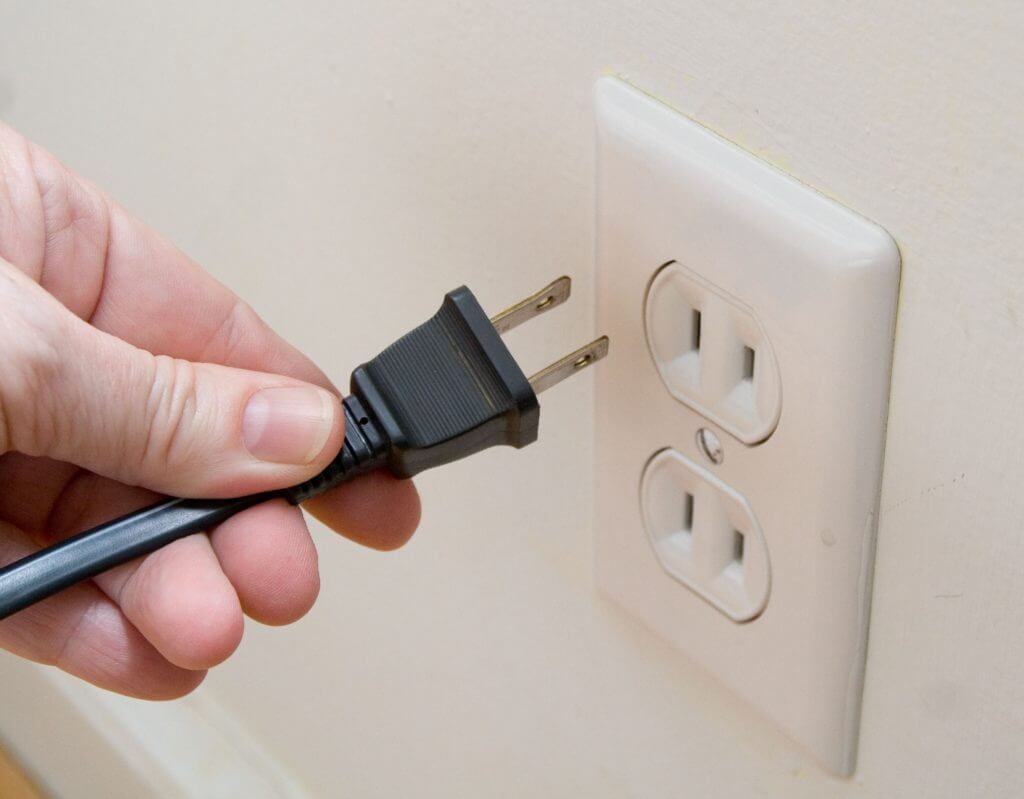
129 373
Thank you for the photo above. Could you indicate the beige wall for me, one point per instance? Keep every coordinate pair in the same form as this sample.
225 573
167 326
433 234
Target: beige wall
343 164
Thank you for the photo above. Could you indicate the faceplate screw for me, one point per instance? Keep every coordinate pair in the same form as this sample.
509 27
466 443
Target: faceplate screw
710 446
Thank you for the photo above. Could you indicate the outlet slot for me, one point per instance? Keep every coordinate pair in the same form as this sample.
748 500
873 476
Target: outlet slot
748 363
715 547
734 570
712 353
738 542
688 513
681 539
695 330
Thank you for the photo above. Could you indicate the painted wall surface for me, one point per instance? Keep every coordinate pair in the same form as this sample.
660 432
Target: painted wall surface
342 164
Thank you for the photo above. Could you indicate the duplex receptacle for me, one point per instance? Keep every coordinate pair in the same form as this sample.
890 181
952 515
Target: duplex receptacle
753 325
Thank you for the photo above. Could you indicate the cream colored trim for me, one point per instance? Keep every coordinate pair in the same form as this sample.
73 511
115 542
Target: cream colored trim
82 742
13 782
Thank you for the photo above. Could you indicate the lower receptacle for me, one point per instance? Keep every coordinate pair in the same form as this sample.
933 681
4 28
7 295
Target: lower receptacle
705 535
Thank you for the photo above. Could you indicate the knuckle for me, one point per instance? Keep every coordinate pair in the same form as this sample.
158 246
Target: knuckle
231 333
170 413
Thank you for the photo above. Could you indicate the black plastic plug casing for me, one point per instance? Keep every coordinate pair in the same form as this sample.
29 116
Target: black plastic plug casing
447 389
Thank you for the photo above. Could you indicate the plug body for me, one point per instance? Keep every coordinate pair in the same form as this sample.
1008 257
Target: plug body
446 389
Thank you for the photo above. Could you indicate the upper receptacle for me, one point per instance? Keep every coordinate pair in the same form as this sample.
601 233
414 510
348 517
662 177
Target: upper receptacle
712 353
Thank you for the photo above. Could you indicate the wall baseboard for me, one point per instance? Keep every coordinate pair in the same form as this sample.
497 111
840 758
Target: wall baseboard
76 740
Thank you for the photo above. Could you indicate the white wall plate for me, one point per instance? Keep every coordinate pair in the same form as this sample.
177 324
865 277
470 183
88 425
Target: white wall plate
787 363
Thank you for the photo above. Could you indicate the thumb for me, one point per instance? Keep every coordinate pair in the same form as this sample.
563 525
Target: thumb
73 393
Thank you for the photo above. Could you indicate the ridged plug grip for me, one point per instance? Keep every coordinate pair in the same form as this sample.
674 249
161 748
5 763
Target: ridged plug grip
447 389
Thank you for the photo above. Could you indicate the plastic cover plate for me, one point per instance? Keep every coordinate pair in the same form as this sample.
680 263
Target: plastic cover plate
823 283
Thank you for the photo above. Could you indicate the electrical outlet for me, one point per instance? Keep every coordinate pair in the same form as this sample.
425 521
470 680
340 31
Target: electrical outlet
705 535
712 353
752 321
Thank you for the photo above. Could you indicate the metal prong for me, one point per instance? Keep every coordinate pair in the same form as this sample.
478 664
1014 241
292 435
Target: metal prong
569 365
547 298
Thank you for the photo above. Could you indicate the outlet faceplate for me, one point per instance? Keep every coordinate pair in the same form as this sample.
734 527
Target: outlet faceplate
797 299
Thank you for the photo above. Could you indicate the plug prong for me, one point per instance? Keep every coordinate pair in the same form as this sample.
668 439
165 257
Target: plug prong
551 296
569 365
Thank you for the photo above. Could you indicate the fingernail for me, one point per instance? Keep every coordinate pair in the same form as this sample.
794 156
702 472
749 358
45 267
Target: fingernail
290 424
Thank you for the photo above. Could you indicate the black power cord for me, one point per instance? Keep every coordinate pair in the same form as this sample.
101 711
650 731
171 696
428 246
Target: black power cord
443 391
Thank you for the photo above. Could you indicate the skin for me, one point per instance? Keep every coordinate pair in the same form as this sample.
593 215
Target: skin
112 342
